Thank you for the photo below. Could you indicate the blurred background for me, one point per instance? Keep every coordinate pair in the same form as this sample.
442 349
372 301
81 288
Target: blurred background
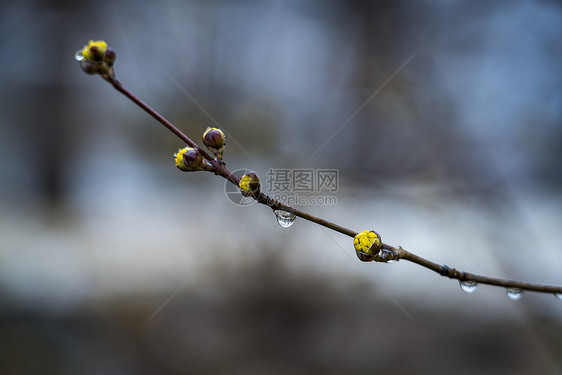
443 119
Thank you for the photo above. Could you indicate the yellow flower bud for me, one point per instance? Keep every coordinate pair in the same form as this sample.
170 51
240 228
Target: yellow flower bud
94 50
189 159
250 184
214 139
367 245
96 57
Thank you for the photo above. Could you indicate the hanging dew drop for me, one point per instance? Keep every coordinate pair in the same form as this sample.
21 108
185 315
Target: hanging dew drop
284 218
514 294
558 296
79 56
468 286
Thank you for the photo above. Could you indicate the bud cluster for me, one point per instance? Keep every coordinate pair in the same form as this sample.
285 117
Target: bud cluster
96 57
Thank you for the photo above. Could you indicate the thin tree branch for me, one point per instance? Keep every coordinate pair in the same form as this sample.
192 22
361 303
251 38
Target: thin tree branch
453 273
220 169
388 253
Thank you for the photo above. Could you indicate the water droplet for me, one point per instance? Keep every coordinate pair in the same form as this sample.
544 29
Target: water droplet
514 294
390 261
79 56
284 218
468 286
558 296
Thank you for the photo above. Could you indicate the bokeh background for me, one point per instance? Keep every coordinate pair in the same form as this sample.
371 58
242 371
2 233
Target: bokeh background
443 118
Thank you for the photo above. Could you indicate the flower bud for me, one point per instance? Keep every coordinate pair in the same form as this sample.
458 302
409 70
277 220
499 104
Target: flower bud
189 159
250 184
89 67
109 56
96 57
214 139
95 50
367 245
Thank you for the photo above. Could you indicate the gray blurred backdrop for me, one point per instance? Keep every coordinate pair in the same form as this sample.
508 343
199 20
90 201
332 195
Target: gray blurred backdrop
443 119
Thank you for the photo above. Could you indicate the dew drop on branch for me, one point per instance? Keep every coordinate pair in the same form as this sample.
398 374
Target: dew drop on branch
558 296
284 218
389 255
468 286
79 56
514 294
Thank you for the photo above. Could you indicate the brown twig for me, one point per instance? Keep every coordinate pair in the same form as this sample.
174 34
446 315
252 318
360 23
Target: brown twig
390 253
462 276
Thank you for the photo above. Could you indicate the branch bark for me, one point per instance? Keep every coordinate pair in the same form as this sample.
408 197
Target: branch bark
391 253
